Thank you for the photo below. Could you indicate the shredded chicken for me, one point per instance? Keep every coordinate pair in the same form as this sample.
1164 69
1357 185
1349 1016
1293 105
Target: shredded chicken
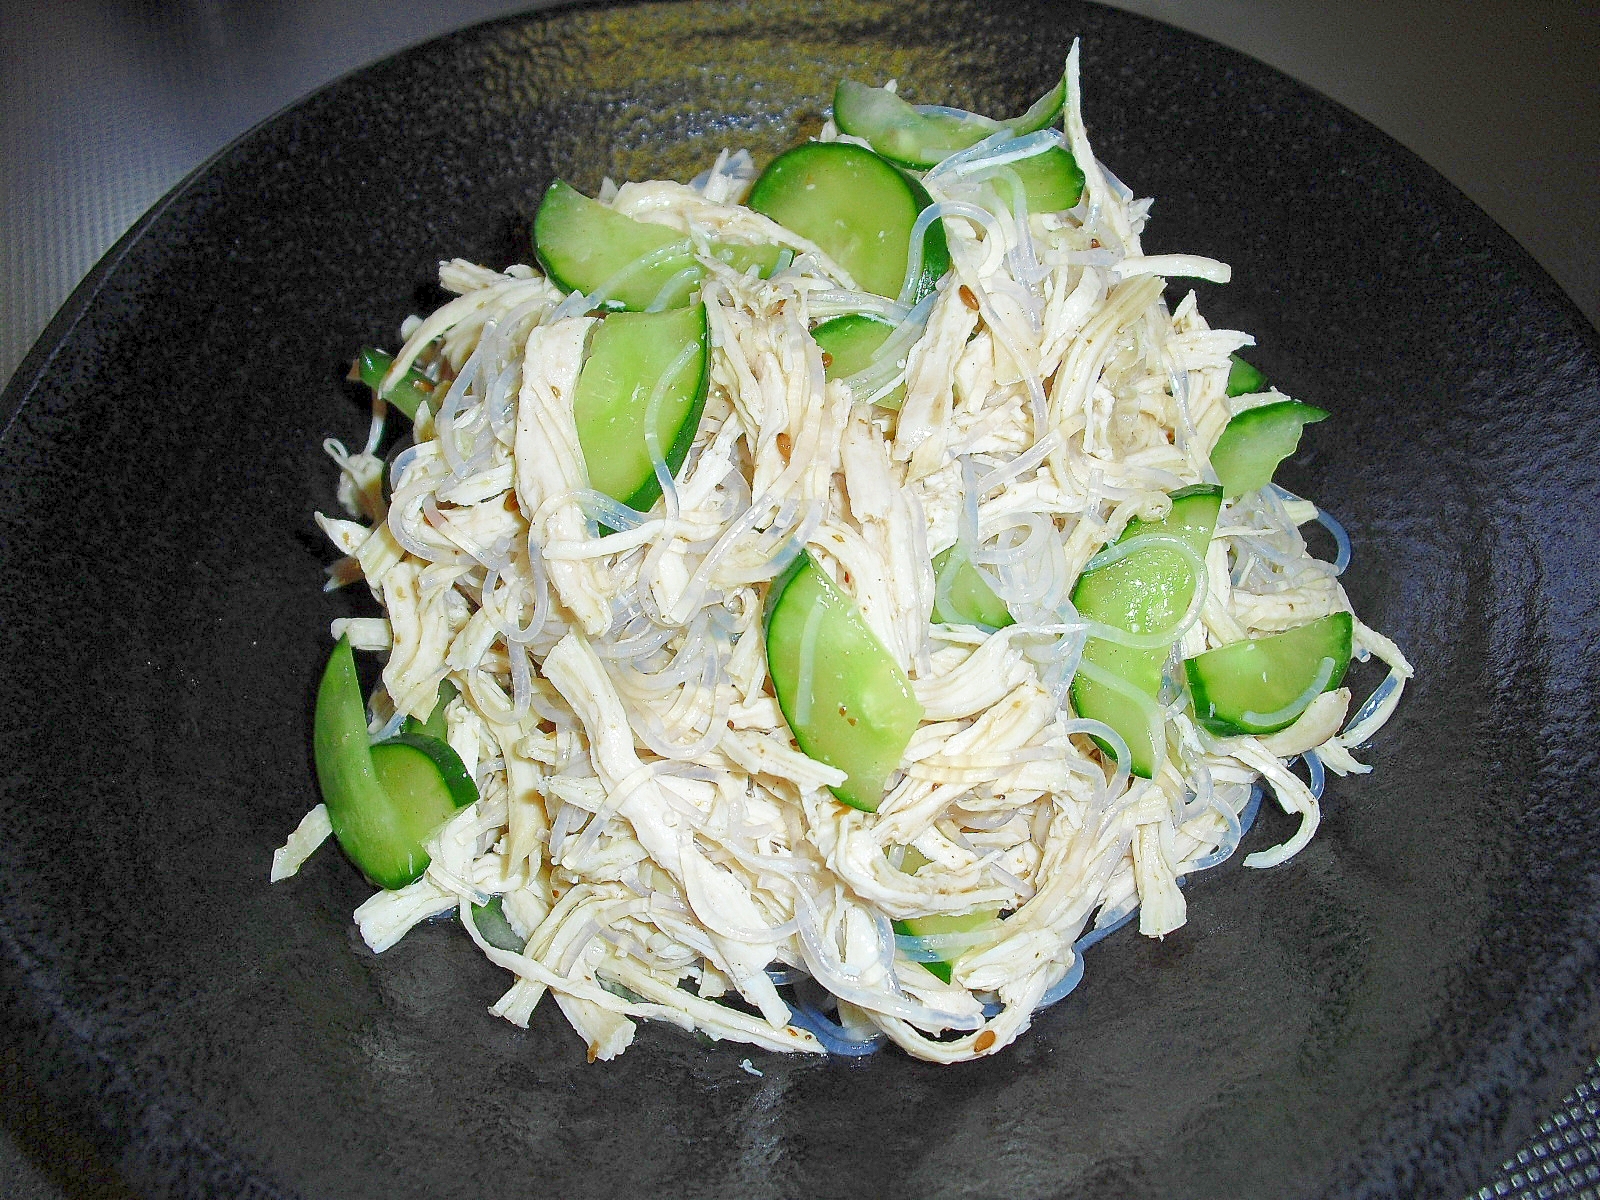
657 839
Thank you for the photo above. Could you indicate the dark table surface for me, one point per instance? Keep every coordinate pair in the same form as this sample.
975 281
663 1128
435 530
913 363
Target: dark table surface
104 106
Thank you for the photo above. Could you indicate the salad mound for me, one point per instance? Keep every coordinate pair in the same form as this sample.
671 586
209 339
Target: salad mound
820 603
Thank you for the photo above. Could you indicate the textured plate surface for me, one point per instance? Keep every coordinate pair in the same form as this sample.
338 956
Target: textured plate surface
1387 1015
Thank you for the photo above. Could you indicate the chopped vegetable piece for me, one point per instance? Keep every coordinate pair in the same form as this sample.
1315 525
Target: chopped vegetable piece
765 259
641 366
941 924
1052 181
412 389
850 342
434 726
383 801
1244 379
1264 684
343 755
925 136
962 596
1146 592
858 208
492 924
589 247
1256 441
584 245
847 702
416 770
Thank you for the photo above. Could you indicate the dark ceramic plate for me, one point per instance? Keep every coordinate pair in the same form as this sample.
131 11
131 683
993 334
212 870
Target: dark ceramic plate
1387 1015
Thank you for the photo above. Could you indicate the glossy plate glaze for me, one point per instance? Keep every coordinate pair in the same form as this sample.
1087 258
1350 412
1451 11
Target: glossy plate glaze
1386 1015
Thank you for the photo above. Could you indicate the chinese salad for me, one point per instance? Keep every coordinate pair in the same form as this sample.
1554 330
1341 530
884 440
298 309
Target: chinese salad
820 602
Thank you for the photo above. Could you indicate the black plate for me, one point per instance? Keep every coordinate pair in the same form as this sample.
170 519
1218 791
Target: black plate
1387 1015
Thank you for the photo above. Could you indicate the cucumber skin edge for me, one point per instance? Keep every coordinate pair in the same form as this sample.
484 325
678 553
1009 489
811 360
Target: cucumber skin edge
779 585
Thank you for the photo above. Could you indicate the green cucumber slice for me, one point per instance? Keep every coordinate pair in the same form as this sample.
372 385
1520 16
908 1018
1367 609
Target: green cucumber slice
413 388
946 923
424 782
1256 441
940 923
383 801
1263 685
584 245
417 770
1051 180
1122 696
494 927
434 726
925 136
1151 588
355 800
898 131
1244 379
846 700
636 361
1145 592
858 208
962 596
849 342
765 259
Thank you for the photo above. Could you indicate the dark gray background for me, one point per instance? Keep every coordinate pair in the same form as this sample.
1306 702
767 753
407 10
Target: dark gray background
104 106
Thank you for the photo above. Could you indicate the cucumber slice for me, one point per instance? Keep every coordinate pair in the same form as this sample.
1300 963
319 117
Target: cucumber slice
1051 180
383 801
417 770
584 245
765 259
356 801
856 207
413 388
636 361
1244 379
962 596
1256 441
434 726
898 131
1147 591
495 929
846 700
849 342
425 782
1263 685
925 136
1151 588
941 924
